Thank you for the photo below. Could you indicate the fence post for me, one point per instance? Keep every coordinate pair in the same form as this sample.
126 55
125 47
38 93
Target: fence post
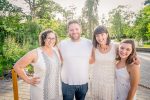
15 85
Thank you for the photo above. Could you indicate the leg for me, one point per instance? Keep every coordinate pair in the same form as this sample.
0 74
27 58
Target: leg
68 91
81 92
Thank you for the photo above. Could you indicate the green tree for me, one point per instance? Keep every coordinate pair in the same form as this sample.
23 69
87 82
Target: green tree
121 21
10 16
23 30
12 51
147 2
43 8
6 8
90 15
69 14
141 25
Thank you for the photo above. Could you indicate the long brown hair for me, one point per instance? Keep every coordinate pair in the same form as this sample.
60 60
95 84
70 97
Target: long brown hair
133 53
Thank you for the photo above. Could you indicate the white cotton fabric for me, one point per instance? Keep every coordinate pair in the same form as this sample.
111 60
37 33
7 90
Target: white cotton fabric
76 57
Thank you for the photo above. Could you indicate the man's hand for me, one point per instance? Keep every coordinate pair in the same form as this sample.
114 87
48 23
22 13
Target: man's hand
136 60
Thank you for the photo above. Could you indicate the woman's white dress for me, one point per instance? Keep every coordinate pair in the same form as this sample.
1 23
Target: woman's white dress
48 69
122 83
103 75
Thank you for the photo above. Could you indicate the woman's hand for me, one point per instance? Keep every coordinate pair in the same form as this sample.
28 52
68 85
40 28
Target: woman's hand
136 60
33 80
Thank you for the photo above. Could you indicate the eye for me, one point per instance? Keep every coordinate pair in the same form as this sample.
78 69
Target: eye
51 38
128 49
121 48
70 30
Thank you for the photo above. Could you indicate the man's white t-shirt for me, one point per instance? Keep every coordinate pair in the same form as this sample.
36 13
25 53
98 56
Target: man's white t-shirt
76 57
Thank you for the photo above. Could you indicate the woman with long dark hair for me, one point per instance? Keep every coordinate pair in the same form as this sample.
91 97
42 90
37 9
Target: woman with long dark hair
103 75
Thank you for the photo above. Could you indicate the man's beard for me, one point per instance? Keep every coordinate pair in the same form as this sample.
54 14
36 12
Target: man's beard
74 38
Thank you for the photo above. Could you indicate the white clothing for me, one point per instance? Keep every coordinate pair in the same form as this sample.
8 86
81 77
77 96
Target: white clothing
122 83
76 57
48 69
103 75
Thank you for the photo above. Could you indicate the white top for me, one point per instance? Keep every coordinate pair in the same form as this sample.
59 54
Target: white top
103 75
48 69
75 61
122 83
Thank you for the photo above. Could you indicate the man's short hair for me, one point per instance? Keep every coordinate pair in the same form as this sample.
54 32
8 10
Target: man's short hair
73 22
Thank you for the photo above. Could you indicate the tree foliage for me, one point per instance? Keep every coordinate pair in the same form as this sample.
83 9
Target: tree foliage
90 16
12 51
121 21
142 24
19 31
43 8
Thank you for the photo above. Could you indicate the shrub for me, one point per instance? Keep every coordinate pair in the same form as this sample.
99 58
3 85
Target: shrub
30 70
12 51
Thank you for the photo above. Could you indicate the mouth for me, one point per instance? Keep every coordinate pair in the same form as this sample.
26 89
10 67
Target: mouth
101 41
75 34
122 54
50 44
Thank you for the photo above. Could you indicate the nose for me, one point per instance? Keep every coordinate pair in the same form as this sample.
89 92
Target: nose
123 51
100 37
74 31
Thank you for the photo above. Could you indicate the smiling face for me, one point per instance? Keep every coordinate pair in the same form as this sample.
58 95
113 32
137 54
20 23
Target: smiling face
125 49
101 38
74 31
50 40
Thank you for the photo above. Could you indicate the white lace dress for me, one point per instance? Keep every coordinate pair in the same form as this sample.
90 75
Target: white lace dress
48 69
103 75
122 84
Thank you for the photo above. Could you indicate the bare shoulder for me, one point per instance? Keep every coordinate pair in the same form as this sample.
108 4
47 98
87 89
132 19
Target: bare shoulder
134 67
27 59
32 53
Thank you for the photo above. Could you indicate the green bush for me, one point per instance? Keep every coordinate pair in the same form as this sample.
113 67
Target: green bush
12 51
30 69
147 43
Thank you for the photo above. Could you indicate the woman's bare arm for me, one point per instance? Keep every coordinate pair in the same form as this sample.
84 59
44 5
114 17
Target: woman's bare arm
92 57
23 63
134 80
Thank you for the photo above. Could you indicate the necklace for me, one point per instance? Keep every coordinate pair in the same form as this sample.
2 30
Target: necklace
103 48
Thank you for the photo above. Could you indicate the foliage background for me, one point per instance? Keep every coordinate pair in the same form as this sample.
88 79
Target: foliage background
19 31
